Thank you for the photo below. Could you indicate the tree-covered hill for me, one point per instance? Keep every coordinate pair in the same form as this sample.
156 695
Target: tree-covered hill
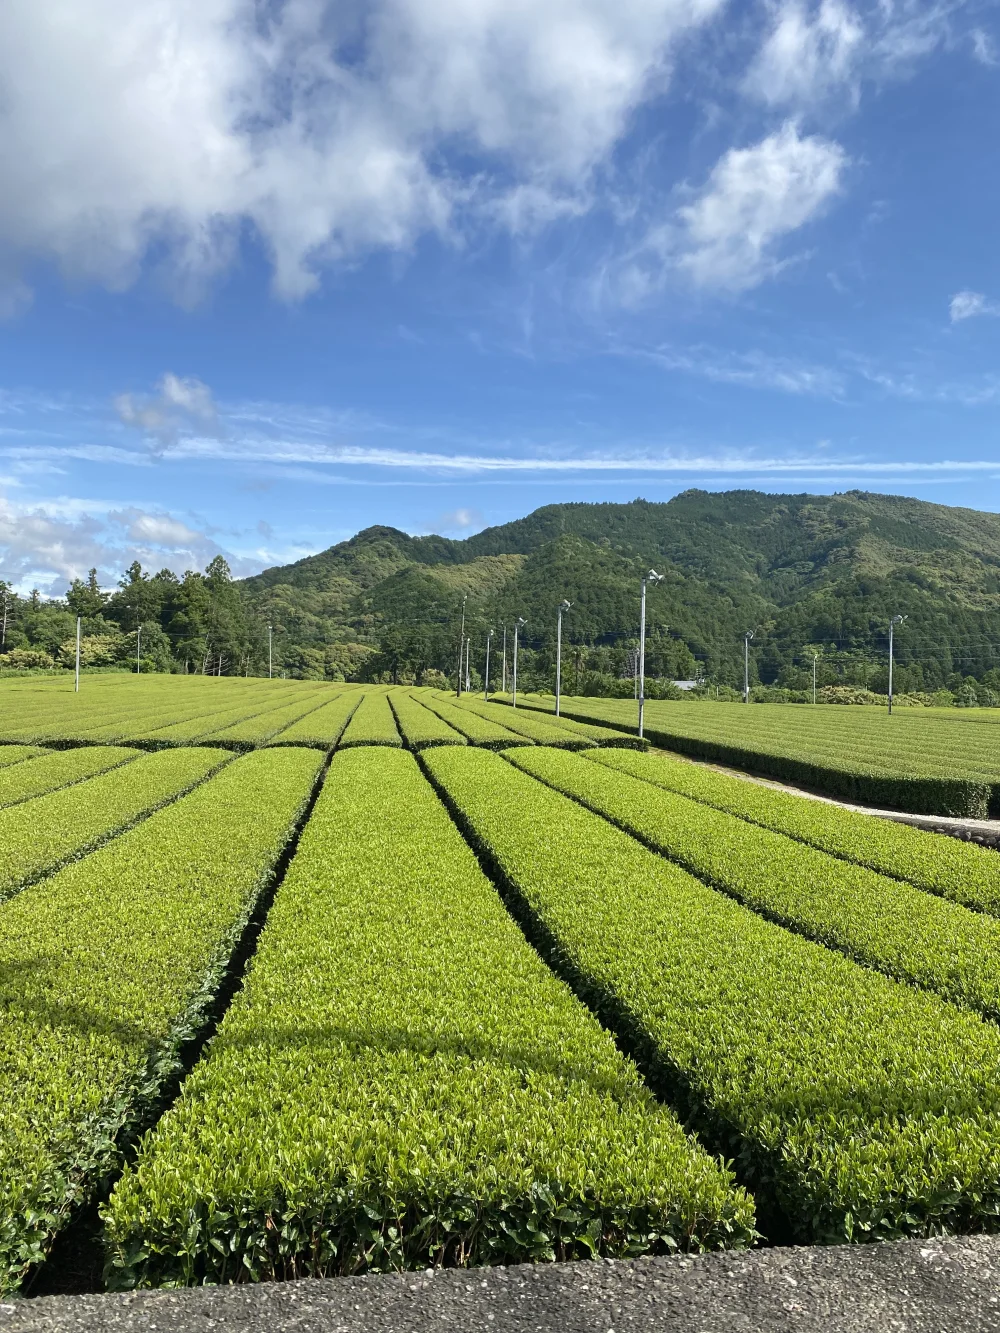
806 573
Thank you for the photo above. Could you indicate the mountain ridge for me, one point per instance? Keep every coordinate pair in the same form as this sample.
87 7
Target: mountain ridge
801 570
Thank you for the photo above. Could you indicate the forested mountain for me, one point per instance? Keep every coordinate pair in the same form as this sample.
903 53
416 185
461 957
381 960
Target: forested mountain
808 574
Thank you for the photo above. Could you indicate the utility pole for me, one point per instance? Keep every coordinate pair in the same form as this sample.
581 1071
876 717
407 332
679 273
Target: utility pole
563 606
269 652
746 665
503 676
486 688
517 627
895 620
76 685
650 577
461 646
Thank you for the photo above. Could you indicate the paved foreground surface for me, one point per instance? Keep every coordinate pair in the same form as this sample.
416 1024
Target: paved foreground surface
911 1286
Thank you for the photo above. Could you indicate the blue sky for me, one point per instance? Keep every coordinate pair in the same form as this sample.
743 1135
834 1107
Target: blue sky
273 272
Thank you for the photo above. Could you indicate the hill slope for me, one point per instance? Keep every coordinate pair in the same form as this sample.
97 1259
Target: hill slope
801 570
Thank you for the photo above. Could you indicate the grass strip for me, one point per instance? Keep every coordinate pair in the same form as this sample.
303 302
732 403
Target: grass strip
61 768
107 968
479 731
322 728
859 1107
961 871
402 1082
419 726
372 723
39 835
881 923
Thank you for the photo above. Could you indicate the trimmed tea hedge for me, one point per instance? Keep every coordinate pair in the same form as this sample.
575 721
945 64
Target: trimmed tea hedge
40 835
372 723
16 754
57 769
923 764
860 1107
421 727
957 870
256 730
605 736
880 922
527 724
323 728
477 730
402 1082
107 968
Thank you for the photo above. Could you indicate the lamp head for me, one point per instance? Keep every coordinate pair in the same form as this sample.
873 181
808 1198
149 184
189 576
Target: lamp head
653 577
564 605
521 621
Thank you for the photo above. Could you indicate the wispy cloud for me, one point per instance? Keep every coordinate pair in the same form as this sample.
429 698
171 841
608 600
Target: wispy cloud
752 370
177 405
969 305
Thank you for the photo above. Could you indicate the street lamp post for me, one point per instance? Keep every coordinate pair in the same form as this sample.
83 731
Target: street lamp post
895 620
503 671
77 683
746 665
138 641
269 664
468 651
563 606
517 628
815 660
486 690
650 577
461 646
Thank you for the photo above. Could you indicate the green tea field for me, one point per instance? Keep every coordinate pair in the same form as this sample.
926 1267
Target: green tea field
305 980
925 760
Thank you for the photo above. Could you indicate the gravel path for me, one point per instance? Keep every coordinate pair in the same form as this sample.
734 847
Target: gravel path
910 1286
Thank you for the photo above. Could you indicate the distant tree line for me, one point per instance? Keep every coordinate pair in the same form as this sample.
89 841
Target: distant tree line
199 623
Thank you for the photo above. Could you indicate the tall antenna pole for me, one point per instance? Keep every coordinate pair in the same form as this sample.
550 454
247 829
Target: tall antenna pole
746 665
894 620
461 647
651 577
563 606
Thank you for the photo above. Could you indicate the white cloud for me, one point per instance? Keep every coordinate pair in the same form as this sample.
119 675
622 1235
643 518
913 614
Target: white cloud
807 55
164 128
727 236
178 405
814 51
458 520
967 305
49 543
